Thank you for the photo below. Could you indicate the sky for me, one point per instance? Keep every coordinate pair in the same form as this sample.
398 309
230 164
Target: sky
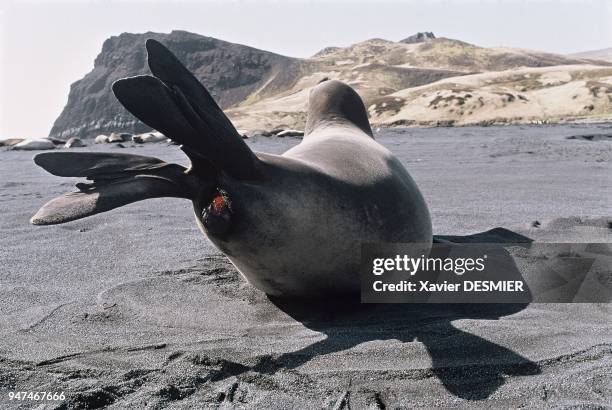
45 45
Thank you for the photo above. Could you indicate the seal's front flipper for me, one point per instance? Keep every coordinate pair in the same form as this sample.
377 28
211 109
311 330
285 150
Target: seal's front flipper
116 180
495 235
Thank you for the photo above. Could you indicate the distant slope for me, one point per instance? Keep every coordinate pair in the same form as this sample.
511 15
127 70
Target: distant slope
383 71
536 94
264 90
522 96
605 54
441 53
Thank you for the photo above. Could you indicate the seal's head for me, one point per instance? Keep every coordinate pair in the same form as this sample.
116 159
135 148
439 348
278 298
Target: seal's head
336 103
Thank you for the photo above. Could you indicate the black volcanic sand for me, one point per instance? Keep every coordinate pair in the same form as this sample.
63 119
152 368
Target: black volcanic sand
135 308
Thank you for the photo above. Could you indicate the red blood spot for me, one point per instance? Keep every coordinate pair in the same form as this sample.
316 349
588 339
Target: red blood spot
218 204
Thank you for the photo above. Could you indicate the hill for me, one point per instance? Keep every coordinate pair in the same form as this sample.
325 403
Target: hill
440 53
263 90
604 54
549 94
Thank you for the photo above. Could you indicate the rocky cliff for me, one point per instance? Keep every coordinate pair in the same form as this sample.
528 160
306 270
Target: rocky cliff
232 72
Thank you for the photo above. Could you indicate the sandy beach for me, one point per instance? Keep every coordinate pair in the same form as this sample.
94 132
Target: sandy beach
135 308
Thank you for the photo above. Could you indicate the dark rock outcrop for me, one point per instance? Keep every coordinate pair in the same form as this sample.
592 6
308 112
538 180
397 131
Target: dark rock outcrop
419 38
232 72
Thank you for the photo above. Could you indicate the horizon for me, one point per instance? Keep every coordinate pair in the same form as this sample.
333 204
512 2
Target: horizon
30 36
357 41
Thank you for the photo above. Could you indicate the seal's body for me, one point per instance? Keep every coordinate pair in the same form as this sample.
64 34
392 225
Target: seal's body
292 224
302 233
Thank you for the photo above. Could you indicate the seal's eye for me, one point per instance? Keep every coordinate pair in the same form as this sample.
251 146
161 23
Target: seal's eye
217 216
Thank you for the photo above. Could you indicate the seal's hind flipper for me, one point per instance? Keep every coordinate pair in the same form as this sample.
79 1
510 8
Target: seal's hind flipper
177 104
92 164
165 66
117 180
153 103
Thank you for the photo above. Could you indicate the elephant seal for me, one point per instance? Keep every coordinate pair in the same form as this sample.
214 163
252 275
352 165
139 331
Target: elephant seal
101 139
74 142
292 224
9 142
148 137
34 144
